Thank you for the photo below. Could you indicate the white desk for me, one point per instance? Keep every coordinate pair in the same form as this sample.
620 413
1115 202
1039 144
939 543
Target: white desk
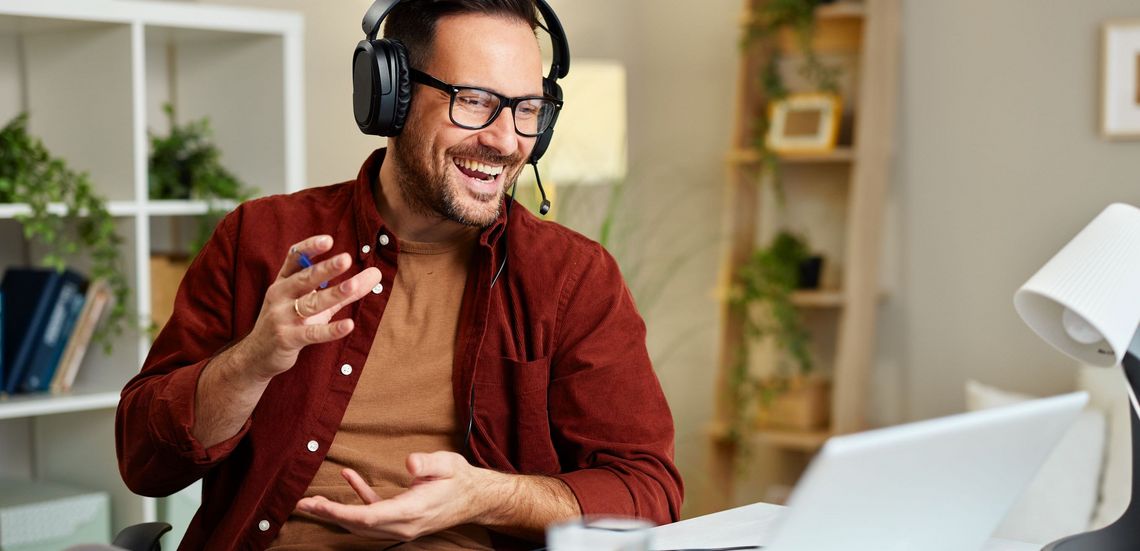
752 525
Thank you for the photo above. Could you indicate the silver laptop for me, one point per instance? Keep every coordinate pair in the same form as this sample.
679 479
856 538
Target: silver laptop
938 485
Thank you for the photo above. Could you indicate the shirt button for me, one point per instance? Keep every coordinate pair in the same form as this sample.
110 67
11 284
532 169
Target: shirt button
379 288
263 526
366 249
346 369
383 239
312 445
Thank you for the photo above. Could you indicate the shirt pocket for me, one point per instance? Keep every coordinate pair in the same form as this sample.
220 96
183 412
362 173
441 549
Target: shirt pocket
511 411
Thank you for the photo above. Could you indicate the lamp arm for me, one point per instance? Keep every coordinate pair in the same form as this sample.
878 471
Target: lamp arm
1132 356
1123 534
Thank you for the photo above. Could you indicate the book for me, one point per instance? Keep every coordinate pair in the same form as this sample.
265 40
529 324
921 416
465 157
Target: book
31 293
96 302
1 336
68 303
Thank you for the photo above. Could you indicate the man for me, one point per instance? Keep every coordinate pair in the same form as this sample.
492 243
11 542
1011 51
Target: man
468 375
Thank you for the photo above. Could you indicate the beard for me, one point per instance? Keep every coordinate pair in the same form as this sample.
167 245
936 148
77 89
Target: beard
428 185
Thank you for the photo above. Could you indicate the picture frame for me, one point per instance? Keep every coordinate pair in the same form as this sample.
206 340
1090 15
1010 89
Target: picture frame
804 123
1120 79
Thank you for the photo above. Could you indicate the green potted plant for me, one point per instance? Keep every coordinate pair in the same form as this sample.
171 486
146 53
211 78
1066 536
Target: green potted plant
186 164
29 174
793 396
772 17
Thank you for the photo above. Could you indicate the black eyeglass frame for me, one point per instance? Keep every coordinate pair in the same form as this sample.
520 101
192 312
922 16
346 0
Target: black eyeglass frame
452 90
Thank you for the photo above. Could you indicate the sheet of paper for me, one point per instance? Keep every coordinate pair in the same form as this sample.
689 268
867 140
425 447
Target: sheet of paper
749 525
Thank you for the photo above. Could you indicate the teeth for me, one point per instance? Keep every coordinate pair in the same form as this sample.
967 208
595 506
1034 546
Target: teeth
485 169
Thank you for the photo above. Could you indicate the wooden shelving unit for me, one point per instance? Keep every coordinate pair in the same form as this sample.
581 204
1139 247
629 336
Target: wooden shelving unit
839 198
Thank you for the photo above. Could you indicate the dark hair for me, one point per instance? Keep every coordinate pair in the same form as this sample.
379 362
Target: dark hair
413 22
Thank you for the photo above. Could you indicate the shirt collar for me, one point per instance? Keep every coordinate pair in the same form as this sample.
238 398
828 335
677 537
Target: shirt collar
370 225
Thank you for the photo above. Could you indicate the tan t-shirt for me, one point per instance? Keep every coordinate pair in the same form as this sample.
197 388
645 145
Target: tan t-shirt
403 402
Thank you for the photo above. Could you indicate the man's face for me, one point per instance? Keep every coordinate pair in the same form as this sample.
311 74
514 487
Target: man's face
439 161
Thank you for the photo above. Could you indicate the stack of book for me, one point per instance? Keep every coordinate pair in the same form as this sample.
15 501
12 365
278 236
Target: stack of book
47 319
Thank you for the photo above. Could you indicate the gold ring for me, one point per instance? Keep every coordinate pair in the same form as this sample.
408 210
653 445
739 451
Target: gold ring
297 308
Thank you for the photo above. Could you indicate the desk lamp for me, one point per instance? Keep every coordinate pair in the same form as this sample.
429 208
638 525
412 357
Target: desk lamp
1086 303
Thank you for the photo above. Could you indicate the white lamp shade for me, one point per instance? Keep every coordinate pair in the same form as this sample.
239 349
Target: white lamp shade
589 145
1097 278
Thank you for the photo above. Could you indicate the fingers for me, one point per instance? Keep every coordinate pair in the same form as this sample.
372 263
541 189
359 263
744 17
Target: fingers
346 515
328 332
361 487
312 246
347 292
380 519
431 465
308 279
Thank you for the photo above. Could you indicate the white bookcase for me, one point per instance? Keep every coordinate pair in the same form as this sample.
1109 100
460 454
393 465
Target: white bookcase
94 74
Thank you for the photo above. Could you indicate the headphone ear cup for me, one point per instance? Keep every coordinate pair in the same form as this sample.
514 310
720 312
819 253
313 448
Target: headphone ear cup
365 86
551 88
381 86
403 86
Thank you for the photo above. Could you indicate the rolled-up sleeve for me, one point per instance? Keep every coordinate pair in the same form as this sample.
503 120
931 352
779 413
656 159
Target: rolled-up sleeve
157 452
608 413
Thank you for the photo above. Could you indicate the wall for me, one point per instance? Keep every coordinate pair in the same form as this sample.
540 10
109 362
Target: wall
335 147
1000 163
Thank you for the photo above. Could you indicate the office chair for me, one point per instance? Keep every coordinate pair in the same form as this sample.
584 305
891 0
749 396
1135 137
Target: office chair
139 537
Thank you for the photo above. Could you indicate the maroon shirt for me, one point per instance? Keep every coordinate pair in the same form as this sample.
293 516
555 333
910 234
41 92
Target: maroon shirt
551 359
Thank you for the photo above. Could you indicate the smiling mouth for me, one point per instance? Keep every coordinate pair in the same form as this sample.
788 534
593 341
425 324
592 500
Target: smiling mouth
477 170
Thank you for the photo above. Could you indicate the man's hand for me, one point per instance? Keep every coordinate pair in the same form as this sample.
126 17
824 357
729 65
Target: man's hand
446 491
296 314
293 315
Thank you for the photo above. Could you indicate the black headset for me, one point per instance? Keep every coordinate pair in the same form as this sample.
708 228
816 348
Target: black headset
382 89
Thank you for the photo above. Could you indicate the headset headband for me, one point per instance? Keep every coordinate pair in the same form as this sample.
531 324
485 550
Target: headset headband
559 67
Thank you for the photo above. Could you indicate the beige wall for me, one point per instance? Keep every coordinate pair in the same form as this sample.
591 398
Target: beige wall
332 28
1000 164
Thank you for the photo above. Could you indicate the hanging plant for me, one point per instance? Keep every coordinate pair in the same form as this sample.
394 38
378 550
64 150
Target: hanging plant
762 298
186 164
767 21
29 174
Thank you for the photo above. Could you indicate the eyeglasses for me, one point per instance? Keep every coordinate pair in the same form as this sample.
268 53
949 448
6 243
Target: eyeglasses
476 108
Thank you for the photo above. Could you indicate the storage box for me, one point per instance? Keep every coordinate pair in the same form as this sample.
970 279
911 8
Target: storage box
45 516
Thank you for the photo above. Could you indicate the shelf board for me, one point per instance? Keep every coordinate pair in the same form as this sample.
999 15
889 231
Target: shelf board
126 208
835 10
844 154
116 208
804 441
819 299
184 208
32 405
841 10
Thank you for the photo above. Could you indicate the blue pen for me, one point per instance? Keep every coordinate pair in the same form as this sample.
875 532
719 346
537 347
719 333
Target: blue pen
303 260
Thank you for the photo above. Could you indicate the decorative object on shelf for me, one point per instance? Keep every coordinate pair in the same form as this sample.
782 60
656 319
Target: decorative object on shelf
29 174
763 294
186 164
1120 85
804 123
166 272
797 402
1086 303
